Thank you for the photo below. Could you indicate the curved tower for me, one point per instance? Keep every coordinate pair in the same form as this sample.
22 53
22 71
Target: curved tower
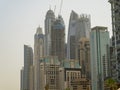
71 35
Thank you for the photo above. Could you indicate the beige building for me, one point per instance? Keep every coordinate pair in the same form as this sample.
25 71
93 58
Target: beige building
49 73
84 57
81 84
70 75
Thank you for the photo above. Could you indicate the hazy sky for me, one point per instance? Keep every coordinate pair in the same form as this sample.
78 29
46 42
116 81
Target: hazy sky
19 20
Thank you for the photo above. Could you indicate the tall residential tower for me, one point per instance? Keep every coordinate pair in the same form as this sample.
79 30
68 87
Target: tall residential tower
99 41
25 72
115 9
38 54
71 35
79 27
58 39
49 20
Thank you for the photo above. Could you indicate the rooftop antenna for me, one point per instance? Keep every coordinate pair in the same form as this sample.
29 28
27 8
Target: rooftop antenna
50 5
61 7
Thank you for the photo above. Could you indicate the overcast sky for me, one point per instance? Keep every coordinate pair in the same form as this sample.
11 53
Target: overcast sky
19 20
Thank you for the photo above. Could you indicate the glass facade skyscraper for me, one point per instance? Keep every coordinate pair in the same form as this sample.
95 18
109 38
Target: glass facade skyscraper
99 40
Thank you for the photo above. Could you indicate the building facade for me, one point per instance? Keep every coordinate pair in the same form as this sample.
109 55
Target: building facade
81 84
49 20
22 79
115 11
71 35
25 72
49 72
38 53
99 40
84 57
58 39
83 30
79 26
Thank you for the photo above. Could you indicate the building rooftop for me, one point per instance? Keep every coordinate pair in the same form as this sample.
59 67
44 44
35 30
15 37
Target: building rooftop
100 28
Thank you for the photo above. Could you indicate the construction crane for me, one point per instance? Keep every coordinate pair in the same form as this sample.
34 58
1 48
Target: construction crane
61 4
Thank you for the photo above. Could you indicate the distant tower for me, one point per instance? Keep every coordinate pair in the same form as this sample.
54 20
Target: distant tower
25 72
38 53
83 30
78 27
115 11
58 39
83 27
99 41
49 19
71 35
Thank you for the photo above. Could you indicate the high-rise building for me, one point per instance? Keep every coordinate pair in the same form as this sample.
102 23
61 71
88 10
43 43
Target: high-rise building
78 27
99 41
115 9
71 35
38 53
83 30
58 39
84 57
83 27
49 20
25 72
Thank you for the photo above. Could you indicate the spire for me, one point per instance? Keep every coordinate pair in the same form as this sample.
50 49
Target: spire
39 30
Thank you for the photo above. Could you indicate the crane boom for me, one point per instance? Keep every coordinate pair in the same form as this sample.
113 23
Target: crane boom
61 7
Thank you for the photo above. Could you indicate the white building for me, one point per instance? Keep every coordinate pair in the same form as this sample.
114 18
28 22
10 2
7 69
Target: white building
38 53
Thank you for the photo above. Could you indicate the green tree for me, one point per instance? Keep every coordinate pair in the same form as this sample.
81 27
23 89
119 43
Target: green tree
111 83
47 87
67 88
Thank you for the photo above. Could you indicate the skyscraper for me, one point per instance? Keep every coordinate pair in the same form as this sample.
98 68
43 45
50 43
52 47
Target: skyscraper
83 30
25 72
71 35
83 27
79 26
99 40
115 9
49 19
38 53
58 39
